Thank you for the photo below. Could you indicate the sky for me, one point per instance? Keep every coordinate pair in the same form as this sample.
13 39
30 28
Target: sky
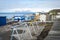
31 5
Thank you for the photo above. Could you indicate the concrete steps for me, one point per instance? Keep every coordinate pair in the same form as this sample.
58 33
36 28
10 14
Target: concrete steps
54 33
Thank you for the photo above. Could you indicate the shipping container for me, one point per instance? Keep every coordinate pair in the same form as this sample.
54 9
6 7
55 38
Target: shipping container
2 20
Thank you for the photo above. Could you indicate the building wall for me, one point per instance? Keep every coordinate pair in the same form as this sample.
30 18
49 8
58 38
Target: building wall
42 17
54 15
47 17
58 15
37 16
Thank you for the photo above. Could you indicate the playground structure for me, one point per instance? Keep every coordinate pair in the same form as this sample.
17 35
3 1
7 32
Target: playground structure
27 31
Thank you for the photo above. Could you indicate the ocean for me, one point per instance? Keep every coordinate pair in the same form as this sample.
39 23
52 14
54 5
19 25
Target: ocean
10 15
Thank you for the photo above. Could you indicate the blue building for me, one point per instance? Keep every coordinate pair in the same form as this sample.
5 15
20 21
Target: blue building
24 17
28 18
19 18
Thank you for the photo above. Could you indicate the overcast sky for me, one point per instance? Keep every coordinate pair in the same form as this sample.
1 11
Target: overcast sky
34 5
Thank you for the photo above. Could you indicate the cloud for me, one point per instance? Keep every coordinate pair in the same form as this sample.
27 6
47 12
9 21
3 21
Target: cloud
32 5
28 9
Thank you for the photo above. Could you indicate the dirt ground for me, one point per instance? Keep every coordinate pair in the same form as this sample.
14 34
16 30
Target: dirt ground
45 31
